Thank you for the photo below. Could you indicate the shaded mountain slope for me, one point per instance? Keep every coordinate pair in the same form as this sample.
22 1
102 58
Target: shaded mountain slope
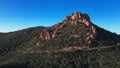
106 37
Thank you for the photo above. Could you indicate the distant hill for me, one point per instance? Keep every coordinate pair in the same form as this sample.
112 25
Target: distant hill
74 43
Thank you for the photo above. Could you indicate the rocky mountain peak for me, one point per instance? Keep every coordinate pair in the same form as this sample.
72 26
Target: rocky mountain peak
74 19
78 17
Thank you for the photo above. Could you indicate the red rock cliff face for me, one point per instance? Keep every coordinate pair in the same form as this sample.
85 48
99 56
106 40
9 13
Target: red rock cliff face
79 17
45 34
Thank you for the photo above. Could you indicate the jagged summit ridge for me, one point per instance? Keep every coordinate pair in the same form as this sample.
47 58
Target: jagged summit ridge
79 17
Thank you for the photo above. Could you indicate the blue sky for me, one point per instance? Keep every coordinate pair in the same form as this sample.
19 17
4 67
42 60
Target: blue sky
21 14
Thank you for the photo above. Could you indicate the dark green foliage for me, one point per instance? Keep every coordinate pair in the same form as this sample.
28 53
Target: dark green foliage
99 58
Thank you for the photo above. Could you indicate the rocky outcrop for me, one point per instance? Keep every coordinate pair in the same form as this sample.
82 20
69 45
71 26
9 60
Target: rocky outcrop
87 23
45 34
86 19
94 30
90 38
54 33
78 17
73 18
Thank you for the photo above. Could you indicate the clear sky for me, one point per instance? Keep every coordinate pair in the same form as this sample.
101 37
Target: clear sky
21 14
